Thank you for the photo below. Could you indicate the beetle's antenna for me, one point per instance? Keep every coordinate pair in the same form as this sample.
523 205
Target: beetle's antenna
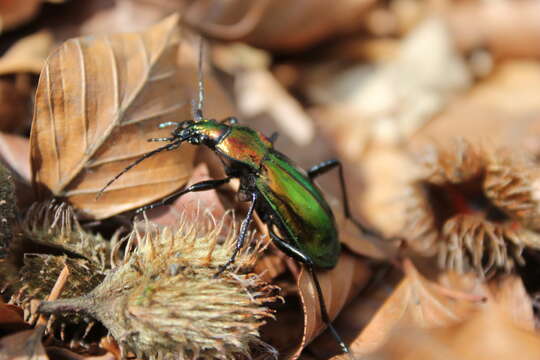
170 146
200 102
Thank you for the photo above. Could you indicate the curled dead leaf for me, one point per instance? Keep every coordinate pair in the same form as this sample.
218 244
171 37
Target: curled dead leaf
279 25
338 285
487 335
98 100
416 302
28 54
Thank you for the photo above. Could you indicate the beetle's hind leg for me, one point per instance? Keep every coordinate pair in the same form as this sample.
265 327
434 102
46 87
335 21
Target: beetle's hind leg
328 165
299 256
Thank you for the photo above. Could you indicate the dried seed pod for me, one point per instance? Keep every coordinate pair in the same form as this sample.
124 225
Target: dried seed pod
512 185
475 209
8 210
55 224
39 274
163 301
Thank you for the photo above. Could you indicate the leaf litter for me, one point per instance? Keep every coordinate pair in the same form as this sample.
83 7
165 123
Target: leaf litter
430 104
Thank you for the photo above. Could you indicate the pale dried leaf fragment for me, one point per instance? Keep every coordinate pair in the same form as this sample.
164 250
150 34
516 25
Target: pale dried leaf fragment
400 96
416 302
487 335
23 345
28 54
98 100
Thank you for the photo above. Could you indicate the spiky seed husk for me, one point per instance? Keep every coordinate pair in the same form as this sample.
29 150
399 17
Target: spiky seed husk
164 301
39 273
55 224
8 210
27 276
476 209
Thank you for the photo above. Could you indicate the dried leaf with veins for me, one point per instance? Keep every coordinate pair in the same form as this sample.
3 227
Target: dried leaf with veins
487 335
476 209
98 100
422 303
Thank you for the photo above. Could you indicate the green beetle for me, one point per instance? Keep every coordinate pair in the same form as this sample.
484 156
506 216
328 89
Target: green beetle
299 220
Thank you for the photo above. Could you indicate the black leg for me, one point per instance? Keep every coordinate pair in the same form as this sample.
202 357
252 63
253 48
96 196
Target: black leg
200 186
328 165
243 233
273 137
296 254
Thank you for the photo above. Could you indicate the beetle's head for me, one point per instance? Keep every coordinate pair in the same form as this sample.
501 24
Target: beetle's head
203 132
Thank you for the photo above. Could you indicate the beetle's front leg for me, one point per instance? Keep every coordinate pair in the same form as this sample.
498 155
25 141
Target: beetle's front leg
200 186
328 165
242 236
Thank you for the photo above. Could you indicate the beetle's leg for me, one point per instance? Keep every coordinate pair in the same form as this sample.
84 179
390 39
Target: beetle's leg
230 120
200 186
273 137
299 256
243 233
328 165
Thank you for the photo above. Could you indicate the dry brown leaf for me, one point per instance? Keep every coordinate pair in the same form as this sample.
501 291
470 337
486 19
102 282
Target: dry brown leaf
58 353
506 29
15 13
123 15
98 100
510 295
504 107
338 285
415 302
387 170
15 151
11 319
24 345
280 25
488 335
15 103
352 237
28 54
